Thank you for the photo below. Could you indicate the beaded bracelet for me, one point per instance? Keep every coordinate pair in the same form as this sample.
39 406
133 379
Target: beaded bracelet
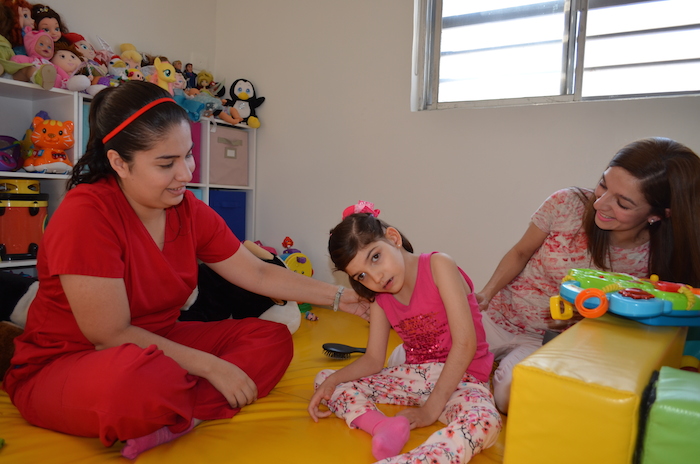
338 294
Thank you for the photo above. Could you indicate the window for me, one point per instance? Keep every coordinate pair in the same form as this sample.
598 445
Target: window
500 52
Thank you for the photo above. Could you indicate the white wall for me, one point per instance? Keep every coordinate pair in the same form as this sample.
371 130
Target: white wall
336 128
336 124
179 29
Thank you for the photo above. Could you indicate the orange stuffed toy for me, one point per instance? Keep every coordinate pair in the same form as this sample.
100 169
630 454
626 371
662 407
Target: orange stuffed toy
51 139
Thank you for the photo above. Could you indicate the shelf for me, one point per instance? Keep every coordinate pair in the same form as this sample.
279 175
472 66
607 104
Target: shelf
32 175
26 91
17 263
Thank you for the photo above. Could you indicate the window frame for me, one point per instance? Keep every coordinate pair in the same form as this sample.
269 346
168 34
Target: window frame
426 54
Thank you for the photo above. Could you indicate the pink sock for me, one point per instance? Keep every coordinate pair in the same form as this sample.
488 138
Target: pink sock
389 434
136 446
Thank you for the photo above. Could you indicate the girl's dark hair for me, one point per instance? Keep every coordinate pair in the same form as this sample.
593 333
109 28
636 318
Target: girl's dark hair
110 108
669 173
355 232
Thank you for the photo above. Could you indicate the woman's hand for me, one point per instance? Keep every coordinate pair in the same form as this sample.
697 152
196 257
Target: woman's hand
483 301
324 392
230 380
351 302
420 417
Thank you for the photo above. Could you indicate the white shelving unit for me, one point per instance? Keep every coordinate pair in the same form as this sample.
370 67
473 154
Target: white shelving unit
211 126
20 102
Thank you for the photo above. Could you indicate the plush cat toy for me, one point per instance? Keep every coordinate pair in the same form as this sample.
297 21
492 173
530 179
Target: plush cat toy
244 100
50 138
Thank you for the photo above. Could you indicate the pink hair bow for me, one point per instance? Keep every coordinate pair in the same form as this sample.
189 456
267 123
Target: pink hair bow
361 207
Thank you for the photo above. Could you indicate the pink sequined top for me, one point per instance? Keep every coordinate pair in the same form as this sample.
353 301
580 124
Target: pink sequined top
423 326
522 306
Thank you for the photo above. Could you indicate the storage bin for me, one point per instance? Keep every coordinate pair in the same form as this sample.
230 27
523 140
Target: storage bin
196 129
231 206
23 219
228 156
197 193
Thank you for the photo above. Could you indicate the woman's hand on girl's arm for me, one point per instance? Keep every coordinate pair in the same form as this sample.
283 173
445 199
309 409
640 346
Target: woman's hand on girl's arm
351 302
251 273
512 264
101 309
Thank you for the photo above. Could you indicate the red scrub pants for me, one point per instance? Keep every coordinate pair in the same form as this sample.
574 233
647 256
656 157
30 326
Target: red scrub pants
128 392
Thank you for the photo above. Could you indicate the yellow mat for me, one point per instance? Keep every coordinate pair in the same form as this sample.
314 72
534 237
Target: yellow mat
274 429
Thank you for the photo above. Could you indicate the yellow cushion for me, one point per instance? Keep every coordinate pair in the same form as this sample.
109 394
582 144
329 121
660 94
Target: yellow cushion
272 430
576 399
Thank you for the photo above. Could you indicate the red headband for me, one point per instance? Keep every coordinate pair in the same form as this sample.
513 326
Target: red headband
131 118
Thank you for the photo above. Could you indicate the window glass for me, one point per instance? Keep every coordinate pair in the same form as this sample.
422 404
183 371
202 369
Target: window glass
526 49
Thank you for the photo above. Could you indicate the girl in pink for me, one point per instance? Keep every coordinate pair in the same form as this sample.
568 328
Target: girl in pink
428 300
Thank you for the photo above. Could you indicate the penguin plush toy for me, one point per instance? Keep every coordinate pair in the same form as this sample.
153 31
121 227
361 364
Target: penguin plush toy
244 100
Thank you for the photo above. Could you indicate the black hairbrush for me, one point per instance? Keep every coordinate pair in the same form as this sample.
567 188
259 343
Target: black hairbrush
340 351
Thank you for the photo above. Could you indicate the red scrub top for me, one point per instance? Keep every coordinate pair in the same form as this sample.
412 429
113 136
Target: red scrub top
96 232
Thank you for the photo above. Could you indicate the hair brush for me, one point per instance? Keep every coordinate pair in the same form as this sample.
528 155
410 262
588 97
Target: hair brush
340 351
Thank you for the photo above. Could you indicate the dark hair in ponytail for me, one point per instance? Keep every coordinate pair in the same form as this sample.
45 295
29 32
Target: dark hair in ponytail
111 107
355 232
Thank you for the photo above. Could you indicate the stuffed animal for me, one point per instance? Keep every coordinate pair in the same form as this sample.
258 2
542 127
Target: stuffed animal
206 84
134 74
131 57
216 298
46 19
93 69
50 138
244 100
25 72
40 50
164 75
68 62
20 16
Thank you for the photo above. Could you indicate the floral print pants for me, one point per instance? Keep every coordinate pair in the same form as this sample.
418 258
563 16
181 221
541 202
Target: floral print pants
473 422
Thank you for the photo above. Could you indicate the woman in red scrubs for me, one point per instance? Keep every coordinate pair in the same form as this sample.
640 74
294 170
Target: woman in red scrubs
103 354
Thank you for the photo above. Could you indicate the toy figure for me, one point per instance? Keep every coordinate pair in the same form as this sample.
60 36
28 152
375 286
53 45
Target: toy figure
40 50
177 64
46 19
131 57
244 100
93 69
51 138
21 17
68 62
205 83
190 76
164 75
134 74
19 71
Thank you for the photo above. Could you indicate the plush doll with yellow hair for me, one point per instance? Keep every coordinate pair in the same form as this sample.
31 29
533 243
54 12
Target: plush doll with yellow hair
206 84
130 56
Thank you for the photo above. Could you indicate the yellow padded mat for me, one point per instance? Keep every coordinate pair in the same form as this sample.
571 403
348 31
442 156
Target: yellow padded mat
274 429
579 395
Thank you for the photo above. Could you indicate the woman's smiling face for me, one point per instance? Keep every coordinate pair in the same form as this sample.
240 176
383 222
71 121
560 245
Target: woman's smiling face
156 179
620 204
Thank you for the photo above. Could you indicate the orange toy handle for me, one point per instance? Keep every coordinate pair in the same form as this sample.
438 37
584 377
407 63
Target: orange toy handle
587 293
